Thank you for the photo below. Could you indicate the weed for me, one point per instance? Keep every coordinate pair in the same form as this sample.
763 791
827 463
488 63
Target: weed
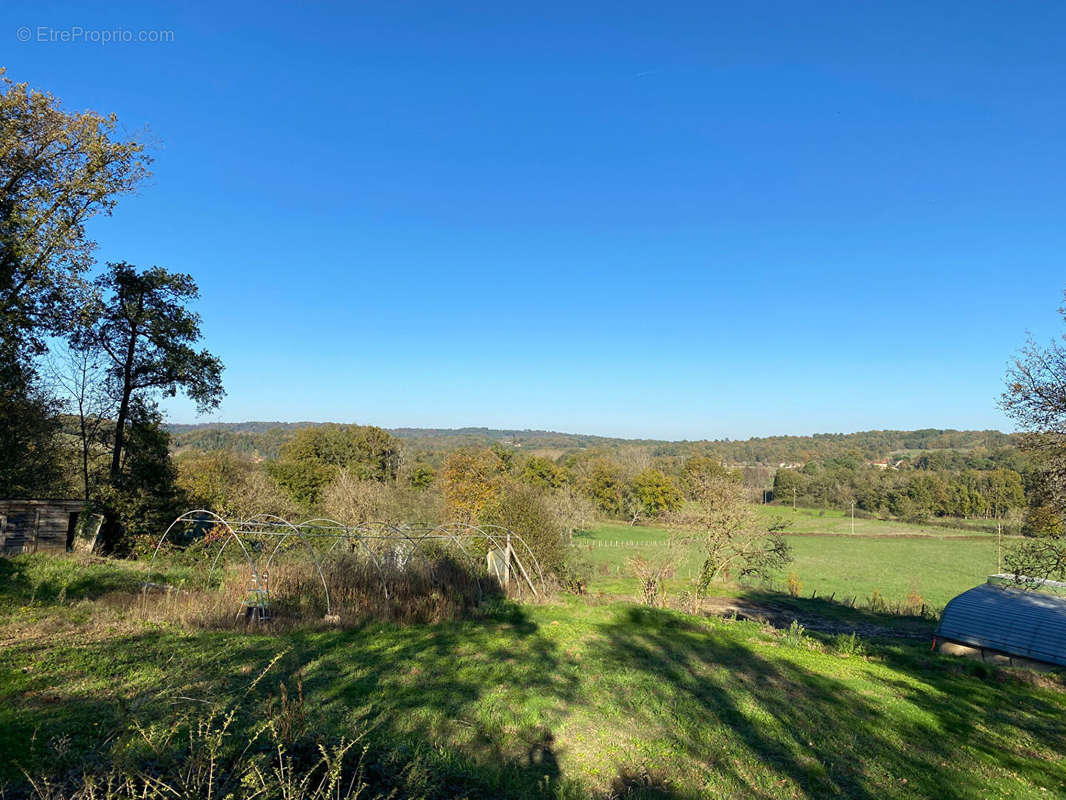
795 635
848 644
795 587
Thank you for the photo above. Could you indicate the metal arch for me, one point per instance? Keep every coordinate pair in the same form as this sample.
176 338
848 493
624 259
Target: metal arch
348 535
483 530
259 526
240 525
470 561
413 540
198 516
268 519
529 550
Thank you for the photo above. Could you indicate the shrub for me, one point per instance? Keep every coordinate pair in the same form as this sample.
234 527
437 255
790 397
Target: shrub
848 644
795 635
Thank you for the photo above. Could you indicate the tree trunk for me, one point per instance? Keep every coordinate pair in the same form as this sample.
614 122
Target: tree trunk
85 445
120 430
124 408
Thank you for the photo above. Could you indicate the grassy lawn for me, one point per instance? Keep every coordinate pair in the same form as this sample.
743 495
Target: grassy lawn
893 559
568 699
835 521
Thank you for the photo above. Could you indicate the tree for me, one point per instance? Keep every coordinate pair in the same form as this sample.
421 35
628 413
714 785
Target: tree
656 493
144 497
724 525
230 485
58 169
607 486
1036 399
472 481
544 472
79 374
369 452
143 326
29 433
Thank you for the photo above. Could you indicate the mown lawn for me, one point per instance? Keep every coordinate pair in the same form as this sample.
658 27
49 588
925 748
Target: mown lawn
568 699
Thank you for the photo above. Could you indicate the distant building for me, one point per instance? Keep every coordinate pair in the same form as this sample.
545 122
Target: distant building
30 526
1006 625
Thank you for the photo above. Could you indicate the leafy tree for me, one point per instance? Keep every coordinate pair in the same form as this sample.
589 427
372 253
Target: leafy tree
656 493
303 481
29 433
1036 399
607 486
543 472
1042 521
230 485
472 481
144 498
527 510
724 525
421 477
143 326
58 169
369 452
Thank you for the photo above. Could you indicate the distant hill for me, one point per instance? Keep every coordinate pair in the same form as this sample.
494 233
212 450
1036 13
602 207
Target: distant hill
264 439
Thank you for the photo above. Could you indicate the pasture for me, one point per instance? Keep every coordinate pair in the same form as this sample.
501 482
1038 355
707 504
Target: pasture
570 698
895 559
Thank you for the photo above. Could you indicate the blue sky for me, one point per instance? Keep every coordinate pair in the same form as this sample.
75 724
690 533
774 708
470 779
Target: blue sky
672 220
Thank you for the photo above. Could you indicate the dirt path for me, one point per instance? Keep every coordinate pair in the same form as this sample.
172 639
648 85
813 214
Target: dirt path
782 617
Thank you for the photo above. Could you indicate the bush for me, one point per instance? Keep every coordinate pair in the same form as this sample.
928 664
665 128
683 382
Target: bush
795 635
848 644
526 510
1042 521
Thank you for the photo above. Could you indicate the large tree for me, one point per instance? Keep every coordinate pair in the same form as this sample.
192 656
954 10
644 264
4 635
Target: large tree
58 169
142 324
1036 399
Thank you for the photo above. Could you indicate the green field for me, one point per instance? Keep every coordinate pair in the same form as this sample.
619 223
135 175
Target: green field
891 558
569 699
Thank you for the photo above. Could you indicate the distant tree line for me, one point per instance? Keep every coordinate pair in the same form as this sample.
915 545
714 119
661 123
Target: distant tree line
911 494
265 439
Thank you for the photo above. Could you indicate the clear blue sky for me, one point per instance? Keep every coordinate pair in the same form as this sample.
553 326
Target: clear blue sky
669 220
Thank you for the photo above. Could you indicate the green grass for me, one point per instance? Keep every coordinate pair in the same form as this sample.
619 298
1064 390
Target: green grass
560 700
835 521
893 559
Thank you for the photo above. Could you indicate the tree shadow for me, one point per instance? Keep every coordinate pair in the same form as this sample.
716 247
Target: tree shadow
60 579
836 616
820 736
414 693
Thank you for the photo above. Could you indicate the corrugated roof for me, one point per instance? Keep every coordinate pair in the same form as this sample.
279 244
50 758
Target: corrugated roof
1014 621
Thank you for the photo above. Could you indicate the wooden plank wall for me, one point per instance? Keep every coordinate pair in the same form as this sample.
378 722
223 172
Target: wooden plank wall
30 526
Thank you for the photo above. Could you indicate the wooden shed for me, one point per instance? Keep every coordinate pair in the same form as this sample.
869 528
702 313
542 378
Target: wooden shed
31 526
1005 624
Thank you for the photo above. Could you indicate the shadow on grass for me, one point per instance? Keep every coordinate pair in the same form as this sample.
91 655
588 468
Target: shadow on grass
739 712
836 616
49 580
719 709
409 689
